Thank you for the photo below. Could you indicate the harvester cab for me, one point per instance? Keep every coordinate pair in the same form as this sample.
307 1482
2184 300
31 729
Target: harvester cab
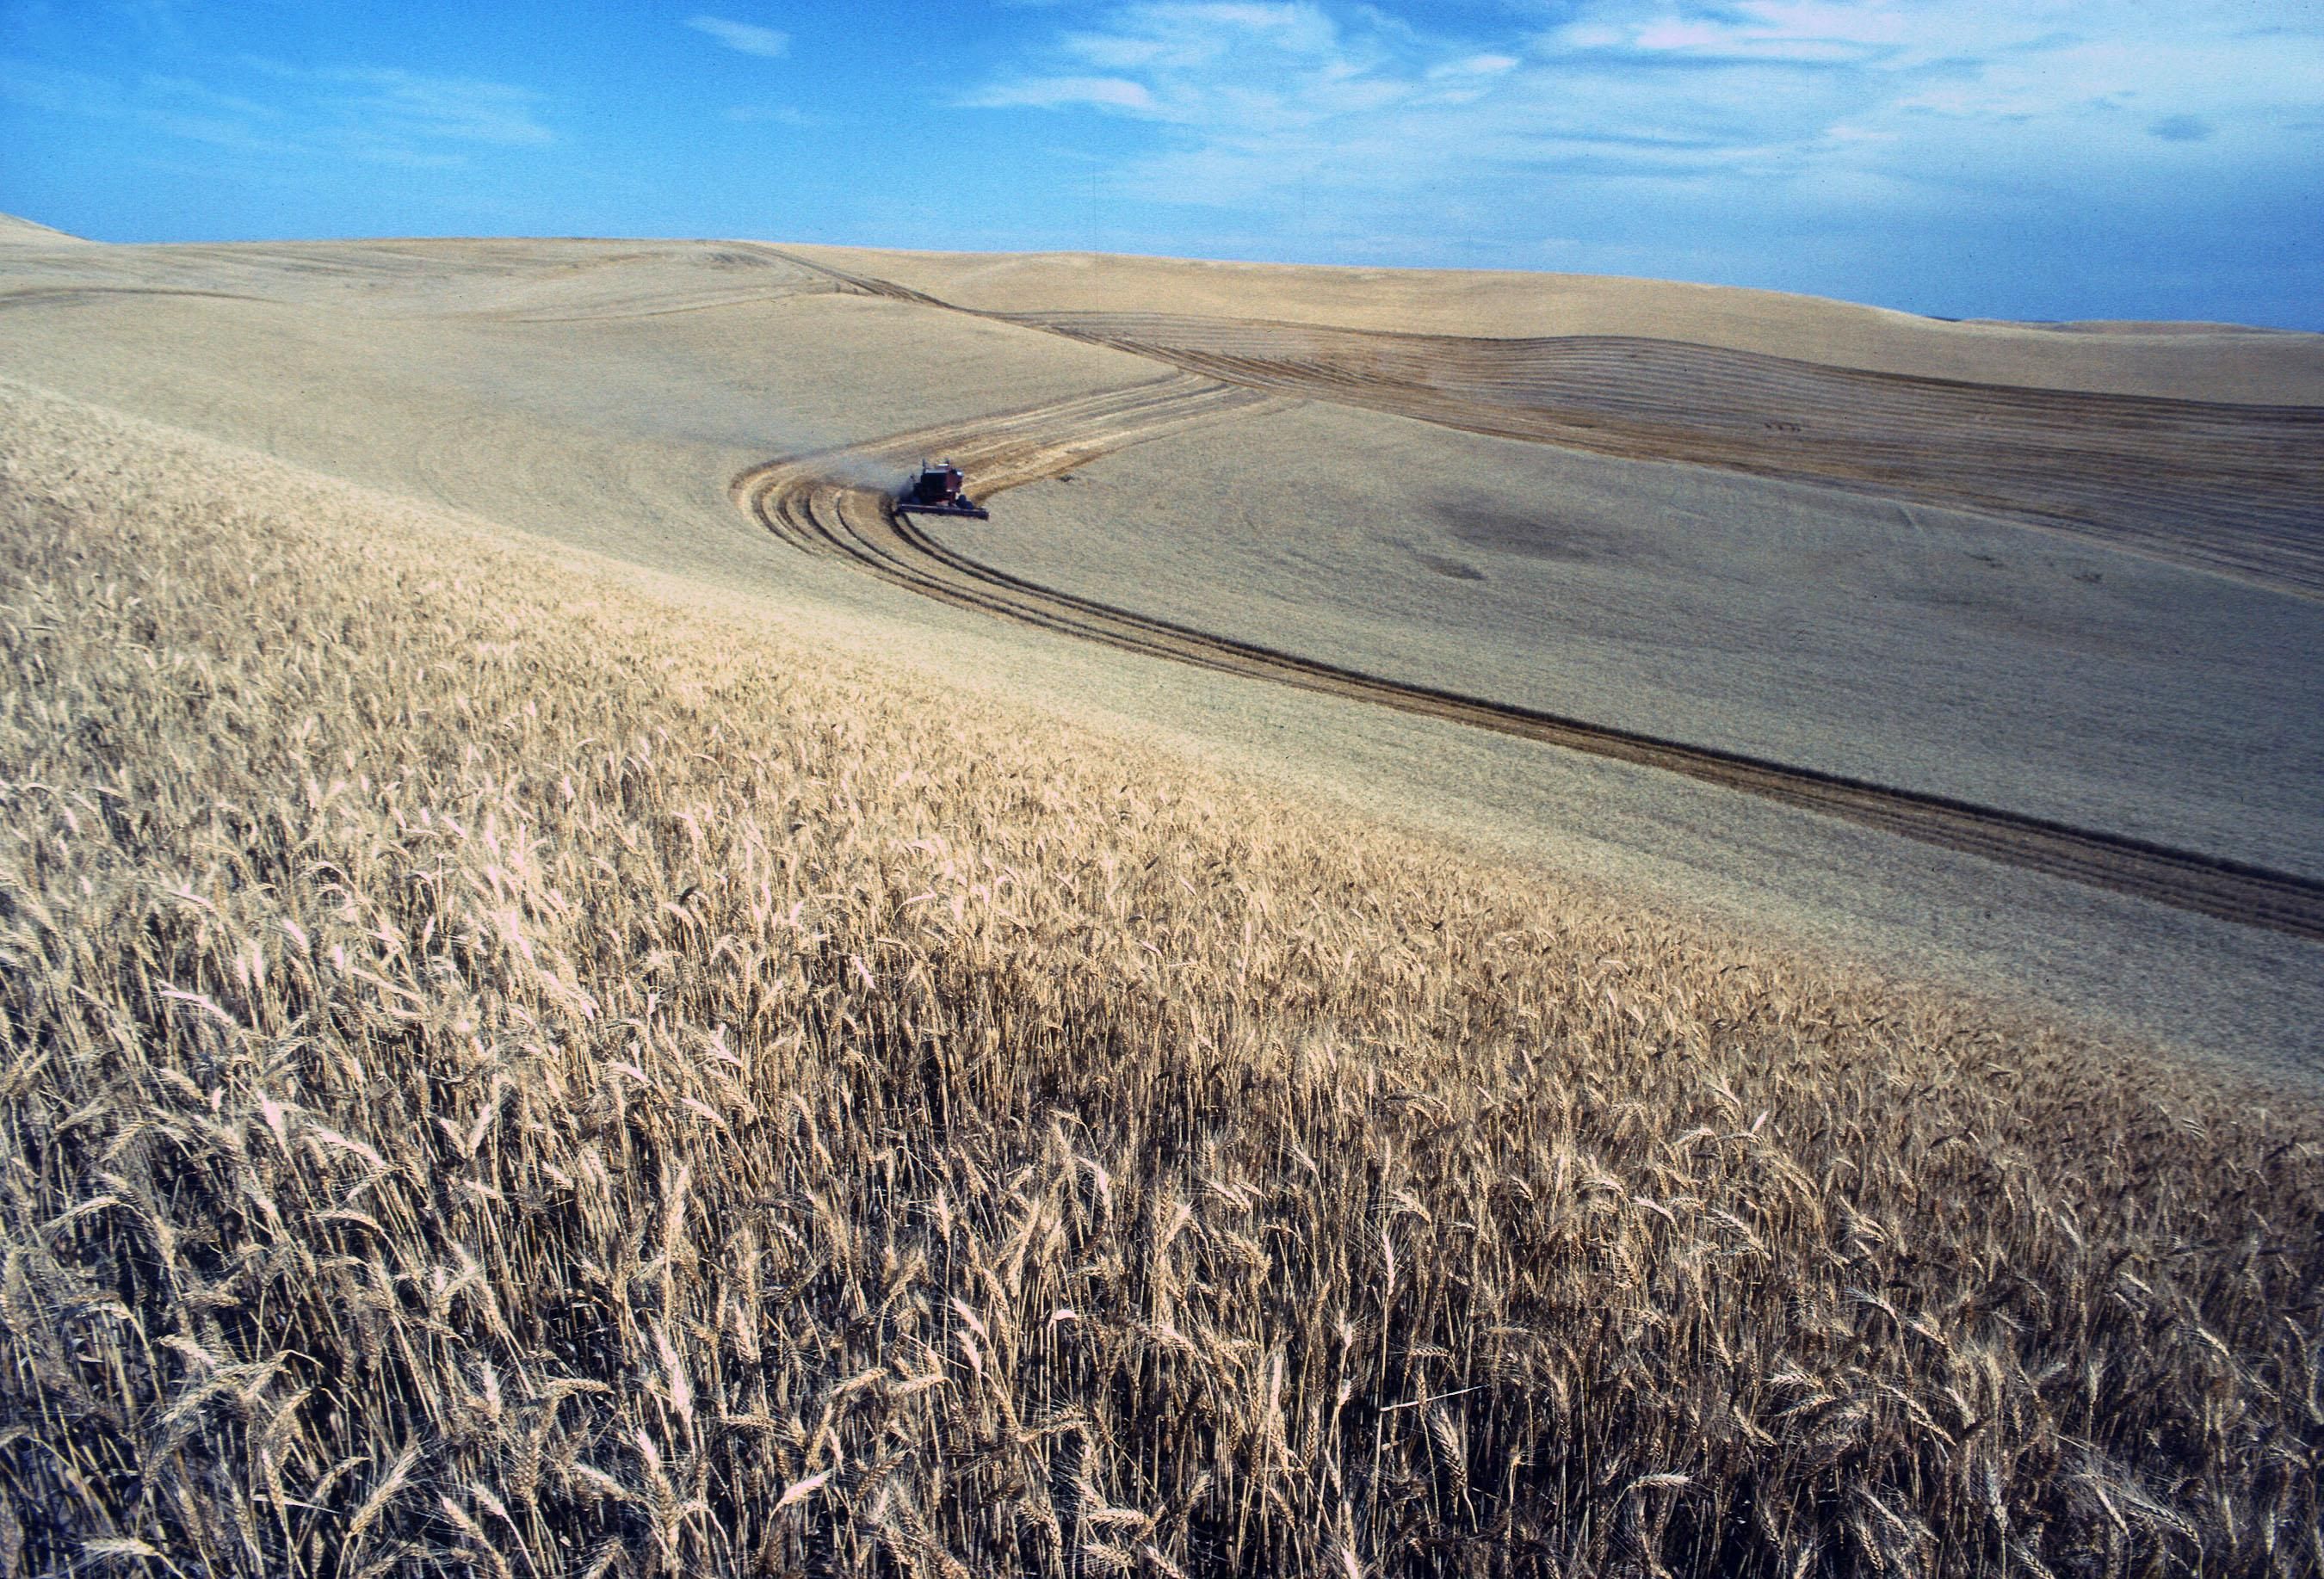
937 492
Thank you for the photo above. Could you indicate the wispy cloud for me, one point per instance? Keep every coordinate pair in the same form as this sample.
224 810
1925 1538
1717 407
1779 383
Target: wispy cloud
767 115
378 115
1048 93
1251 98
748 36
1845 99
1800 30
392 107
34 85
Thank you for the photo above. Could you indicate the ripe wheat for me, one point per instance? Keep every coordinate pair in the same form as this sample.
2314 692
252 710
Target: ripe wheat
502 1076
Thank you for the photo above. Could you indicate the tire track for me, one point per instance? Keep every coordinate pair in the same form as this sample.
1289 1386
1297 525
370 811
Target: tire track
836 503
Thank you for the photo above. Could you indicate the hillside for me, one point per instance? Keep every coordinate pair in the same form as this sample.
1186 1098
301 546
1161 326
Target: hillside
16 232
1496 925
2196 362
510 1073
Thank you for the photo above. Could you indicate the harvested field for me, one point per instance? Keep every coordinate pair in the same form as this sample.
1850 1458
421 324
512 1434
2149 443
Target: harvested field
804 502
516 281
606 393
2210 362
2233 487
507 1076
1945 652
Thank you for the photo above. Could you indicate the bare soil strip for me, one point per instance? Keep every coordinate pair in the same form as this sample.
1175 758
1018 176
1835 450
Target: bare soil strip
836 503
2237 488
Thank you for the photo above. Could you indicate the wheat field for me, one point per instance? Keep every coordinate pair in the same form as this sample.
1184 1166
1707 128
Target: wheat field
507 1077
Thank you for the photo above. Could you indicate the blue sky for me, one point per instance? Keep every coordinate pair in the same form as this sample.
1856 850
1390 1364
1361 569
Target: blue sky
2100 159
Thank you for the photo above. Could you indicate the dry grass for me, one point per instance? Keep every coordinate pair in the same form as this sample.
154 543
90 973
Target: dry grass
502 1078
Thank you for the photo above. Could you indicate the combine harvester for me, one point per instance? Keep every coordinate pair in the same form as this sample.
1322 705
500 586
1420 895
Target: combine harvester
937 493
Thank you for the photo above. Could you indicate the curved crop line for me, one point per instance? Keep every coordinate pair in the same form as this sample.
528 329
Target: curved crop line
806 501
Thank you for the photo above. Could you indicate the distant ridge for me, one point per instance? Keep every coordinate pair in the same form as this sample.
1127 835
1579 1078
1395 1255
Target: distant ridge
13 228
2169 360
2153 326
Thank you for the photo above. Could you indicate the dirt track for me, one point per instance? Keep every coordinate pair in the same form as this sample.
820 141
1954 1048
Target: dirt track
837 504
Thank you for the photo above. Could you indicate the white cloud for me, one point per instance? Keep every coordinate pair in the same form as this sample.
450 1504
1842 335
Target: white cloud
1222 64
1046 92
748 36
1249 99
770 114
1486 65
396 105
2048 157
1255 98
57 90
1768 29
377 113
370 108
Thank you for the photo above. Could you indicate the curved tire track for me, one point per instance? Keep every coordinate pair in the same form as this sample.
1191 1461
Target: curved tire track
834 503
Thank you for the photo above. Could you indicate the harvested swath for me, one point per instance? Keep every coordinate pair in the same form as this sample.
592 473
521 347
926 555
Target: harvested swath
812 502
2234 487
505 1076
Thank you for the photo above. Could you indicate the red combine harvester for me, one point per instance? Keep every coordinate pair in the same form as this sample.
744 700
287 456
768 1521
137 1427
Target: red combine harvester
937 493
